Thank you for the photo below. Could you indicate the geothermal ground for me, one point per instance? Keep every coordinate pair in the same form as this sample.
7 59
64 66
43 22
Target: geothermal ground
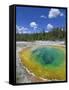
22 74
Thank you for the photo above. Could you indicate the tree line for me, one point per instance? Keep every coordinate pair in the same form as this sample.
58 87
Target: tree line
54 34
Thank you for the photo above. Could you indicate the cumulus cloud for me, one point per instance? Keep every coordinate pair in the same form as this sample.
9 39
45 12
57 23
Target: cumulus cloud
49 26
21 29
54 13
33 25
46 31
61 14
43 16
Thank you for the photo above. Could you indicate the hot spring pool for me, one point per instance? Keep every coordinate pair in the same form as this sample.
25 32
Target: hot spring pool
46 62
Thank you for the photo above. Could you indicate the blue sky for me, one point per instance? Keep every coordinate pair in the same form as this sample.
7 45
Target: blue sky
32 20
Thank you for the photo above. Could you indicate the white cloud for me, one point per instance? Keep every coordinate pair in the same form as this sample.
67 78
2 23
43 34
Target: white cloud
21 29
46 31
33 25
61 14
43 16
49 26
54 13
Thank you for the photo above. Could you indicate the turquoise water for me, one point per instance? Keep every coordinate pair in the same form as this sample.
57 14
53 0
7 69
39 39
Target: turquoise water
48 56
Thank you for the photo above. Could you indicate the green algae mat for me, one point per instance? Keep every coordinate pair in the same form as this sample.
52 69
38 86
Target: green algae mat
45 62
